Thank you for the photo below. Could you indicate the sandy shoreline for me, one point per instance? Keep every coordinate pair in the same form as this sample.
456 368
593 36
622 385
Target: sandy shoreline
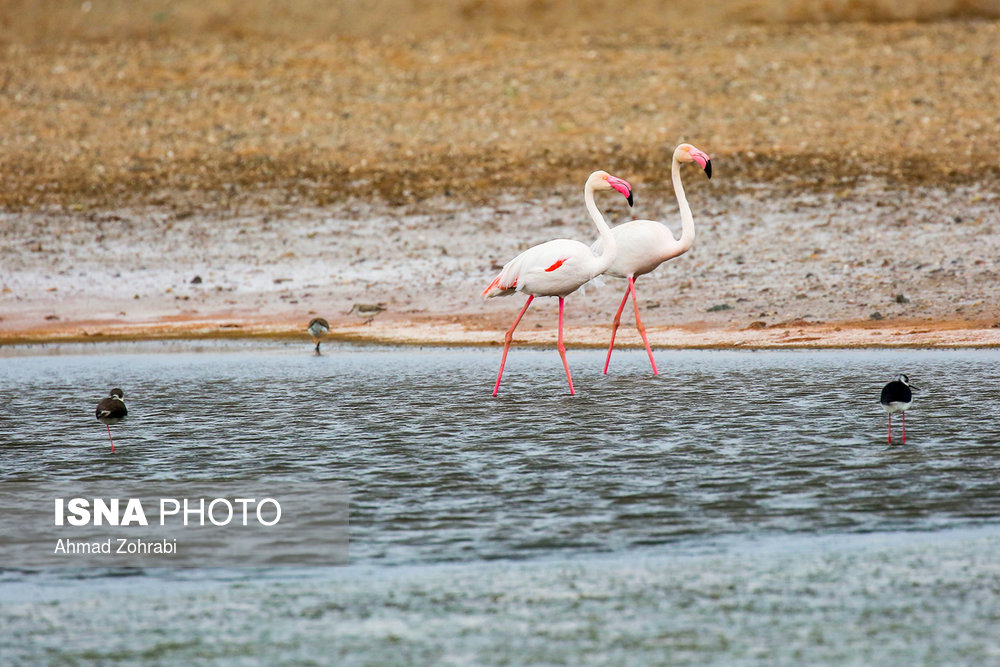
429 332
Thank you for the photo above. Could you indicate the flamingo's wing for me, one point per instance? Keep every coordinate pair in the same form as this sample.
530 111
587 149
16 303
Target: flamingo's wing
633 232
545 263
642 246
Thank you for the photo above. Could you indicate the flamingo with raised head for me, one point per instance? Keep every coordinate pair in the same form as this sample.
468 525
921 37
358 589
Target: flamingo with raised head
558 268
645 244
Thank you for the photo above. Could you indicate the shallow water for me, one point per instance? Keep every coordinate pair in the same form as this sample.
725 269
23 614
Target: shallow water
740 506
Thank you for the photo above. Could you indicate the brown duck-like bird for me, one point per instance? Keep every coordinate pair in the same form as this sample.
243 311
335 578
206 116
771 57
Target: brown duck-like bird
318 327
112 410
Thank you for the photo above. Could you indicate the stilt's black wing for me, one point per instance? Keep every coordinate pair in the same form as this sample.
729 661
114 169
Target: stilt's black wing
895 392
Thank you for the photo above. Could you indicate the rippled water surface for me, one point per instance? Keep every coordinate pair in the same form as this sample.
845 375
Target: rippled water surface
741 506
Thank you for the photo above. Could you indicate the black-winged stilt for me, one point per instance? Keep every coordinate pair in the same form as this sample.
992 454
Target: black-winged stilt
897 397
112 410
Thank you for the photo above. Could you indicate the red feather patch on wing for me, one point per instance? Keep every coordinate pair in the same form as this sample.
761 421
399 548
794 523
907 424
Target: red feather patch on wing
496 283
555 266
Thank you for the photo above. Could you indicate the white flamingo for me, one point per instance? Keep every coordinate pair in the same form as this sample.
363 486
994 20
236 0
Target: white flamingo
559 267
645 244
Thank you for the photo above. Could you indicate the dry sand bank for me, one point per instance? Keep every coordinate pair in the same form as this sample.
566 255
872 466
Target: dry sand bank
226 124
856 180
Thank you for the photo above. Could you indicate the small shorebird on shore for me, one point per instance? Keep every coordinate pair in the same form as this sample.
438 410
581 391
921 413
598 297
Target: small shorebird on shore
367 311
897 397
559 267
112 410
645 244
318 327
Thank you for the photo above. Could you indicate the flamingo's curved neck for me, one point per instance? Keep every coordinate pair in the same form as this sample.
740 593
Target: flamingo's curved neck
607 256
687 220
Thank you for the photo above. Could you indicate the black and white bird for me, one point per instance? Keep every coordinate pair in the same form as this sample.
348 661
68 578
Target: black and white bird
112 410
318 327
897 397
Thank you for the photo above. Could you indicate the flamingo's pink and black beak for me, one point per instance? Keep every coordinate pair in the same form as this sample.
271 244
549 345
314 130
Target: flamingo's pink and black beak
622 186
702 159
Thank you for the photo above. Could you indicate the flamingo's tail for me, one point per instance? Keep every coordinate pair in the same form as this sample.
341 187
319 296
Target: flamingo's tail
496 289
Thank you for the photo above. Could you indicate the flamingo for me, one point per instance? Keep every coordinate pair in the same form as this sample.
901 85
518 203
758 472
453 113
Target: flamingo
112 410
645 244
558 268
897 397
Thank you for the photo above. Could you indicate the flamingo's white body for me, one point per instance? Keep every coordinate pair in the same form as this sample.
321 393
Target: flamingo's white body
558 268
642 245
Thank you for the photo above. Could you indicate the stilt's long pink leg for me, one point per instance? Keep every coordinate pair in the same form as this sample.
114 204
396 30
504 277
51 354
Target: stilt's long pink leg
506 342
903 416
110 438
638 324
562 348
890 428
614 327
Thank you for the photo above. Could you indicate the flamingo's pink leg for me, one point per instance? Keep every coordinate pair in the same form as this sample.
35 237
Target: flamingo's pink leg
506 342
638 324
562 348
614 327
890 428
109 438
903 416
